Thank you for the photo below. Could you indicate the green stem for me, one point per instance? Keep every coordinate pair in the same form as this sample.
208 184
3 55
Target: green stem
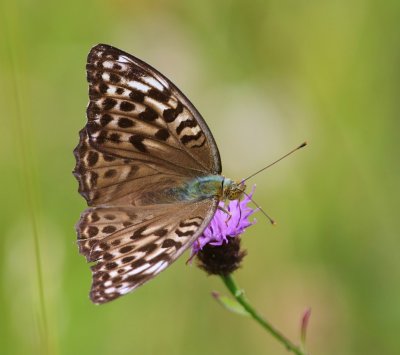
239 295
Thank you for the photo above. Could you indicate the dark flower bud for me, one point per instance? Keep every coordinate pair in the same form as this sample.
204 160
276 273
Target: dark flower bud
221 259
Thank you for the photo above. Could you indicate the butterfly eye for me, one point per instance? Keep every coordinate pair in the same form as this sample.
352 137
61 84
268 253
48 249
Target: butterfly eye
235 192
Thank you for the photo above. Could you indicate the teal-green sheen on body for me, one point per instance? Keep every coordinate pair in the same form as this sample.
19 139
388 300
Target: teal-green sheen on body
198 189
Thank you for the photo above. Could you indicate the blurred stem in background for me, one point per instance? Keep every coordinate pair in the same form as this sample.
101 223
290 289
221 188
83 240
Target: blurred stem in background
21 131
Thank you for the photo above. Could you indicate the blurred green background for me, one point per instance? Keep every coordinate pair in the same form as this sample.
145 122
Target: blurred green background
266 75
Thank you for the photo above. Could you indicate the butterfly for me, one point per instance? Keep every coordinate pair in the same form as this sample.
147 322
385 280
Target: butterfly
149 169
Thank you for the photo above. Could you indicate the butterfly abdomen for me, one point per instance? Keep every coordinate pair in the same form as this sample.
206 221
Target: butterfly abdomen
204 187
197 189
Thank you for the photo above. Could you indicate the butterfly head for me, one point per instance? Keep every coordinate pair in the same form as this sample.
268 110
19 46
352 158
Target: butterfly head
233 190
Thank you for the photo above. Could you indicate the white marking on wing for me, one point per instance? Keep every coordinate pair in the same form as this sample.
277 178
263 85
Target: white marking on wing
125 290
139 254
110 290
153 82
124 174
113 273
124 59
157 104
155 267
138 86
107 64
187 229
183 116
112 90
162 80
163 266
139 269
191 131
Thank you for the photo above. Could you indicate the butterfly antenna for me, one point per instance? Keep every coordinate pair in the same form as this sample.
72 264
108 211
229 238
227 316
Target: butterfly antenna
286 155
262 211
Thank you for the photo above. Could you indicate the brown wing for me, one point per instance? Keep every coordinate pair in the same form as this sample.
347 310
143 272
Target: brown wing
107 179
142 134
140 127
136 112
132 245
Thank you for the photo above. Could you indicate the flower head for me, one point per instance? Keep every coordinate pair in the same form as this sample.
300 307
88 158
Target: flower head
224 226
218 248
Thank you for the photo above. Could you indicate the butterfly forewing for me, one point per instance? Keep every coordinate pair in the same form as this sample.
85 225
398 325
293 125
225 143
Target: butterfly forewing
135 112
143 136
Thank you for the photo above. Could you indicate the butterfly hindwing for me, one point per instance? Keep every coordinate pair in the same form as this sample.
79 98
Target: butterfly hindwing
132 245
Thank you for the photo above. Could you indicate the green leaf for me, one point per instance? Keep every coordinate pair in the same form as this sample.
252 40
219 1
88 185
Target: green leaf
230 304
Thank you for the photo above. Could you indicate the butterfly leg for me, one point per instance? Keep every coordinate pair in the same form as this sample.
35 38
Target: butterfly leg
189 261
227 212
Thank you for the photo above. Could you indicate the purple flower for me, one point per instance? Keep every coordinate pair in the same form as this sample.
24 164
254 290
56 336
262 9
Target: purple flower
223 226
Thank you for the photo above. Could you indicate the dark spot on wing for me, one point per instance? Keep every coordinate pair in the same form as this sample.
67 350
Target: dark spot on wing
136 96
93 127
170 114
108 158
115 137
127 259
93 157
124 122
105 119
138 233
148 248
109 229
148 115
110 173
92 231
188 123
101 138
93 178
103 88
108 256
158 95
186 138
126 106
162 134
168 243
179 233
126 249
114 78
137 141
109 103
111 266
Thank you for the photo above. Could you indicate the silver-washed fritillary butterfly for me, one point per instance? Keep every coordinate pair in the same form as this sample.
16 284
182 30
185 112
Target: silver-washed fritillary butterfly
149 169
